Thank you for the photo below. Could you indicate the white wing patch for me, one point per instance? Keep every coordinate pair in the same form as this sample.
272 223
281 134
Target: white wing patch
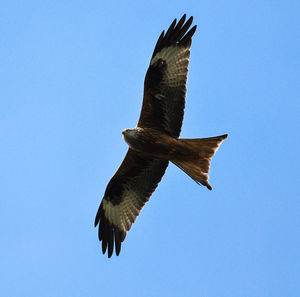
124 214
177 61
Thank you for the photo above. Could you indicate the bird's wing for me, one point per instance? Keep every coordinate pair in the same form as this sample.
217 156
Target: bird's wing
126 194
165 81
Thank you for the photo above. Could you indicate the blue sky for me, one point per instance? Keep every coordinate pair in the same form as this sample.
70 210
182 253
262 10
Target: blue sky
72 78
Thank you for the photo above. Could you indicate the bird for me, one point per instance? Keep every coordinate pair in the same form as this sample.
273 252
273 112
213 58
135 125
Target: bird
155 141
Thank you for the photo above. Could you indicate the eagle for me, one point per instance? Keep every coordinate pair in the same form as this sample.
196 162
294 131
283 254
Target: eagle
155 140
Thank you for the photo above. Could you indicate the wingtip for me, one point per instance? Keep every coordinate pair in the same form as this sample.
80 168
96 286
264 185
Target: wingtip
109 254
96 222
191 18
98 215
173 24
224 136
104 246
182 19
177 33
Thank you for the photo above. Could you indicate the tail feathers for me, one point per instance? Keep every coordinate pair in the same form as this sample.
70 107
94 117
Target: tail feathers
197 162
194 172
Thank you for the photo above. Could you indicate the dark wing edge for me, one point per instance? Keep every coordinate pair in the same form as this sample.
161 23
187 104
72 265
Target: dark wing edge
165 81
176 35
126 194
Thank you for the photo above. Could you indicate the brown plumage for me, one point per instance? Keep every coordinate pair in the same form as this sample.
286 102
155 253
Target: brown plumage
154 142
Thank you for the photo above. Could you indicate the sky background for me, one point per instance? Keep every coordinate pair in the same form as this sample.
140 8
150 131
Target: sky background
71 79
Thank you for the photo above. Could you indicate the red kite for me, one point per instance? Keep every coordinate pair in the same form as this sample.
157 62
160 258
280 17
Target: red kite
154 142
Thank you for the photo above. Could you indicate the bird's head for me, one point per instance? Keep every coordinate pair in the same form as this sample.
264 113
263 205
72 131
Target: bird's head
125 131
130 132
131 135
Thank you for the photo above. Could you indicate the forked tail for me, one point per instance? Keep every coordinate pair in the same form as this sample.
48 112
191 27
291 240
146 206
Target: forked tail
196 163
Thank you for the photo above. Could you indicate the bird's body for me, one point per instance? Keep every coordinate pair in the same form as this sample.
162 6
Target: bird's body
155 141
152 143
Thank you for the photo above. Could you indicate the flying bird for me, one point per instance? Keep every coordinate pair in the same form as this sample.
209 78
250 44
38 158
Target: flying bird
155 140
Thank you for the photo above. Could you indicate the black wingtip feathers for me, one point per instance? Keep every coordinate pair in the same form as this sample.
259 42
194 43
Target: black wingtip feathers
177 34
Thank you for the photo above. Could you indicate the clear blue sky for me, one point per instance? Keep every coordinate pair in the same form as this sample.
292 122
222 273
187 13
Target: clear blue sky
72 78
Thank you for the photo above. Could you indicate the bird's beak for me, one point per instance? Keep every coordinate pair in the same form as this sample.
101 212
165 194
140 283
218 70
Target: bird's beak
123 132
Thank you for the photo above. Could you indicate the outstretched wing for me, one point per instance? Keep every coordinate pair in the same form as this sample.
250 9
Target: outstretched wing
165 81
126 194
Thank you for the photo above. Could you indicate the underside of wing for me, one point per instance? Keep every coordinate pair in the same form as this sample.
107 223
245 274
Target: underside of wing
126 194
165 81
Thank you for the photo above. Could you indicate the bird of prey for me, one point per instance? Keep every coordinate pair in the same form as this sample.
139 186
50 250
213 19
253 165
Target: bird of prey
155 140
